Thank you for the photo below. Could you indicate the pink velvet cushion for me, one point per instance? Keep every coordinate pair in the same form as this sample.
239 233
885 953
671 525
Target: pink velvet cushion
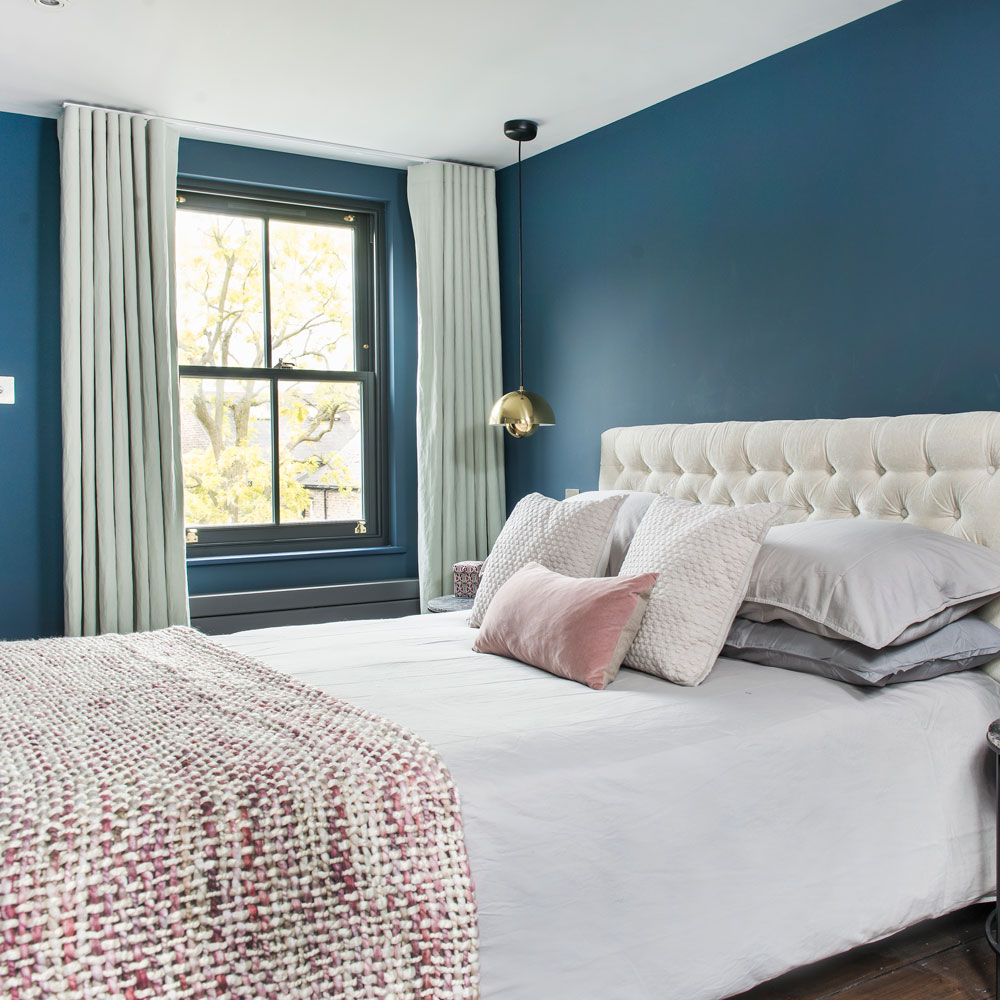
580 628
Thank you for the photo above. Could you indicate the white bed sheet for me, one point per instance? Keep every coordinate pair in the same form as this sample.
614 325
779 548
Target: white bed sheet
655 842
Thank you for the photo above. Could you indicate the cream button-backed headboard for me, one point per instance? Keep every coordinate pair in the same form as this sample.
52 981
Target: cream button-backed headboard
938 470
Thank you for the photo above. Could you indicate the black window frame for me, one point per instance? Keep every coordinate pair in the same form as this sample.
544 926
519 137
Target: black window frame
370 325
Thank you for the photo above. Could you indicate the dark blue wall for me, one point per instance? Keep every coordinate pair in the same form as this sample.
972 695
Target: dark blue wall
380 184
817 234
30 431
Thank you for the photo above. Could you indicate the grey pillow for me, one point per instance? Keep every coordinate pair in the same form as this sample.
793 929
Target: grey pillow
626 523
879 583
958 646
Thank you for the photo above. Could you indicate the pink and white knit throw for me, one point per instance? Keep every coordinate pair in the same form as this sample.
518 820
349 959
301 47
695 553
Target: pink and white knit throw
180 821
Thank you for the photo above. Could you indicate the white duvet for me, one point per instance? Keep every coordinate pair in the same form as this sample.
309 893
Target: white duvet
655 842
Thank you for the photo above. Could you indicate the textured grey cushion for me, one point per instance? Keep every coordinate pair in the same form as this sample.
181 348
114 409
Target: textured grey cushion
958 646
567 538
703 554
879 583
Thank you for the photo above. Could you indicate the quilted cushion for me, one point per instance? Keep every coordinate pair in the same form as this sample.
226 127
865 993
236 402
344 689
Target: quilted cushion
567 538
703 554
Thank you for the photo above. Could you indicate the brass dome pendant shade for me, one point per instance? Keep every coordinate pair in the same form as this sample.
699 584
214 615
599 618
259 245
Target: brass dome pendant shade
522 413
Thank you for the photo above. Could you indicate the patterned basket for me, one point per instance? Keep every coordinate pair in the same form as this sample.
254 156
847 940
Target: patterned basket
467 576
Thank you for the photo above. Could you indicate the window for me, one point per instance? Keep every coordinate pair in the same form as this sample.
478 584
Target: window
278 323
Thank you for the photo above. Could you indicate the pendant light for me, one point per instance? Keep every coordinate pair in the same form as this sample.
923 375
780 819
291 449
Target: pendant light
522 413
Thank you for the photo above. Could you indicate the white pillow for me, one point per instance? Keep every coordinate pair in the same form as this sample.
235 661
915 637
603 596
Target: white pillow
880 583
567 538
630 514
703 554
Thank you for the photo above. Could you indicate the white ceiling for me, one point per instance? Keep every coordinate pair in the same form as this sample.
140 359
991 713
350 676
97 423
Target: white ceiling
431 78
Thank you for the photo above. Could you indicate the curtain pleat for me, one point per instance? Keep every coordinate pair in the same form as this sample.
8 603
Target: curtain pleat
122 489
162 159
460 487
154 549
133 375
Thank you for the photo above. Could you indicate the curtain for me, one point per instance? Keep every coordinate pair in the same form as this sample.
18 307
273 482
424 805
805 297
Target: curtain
123 522
460 481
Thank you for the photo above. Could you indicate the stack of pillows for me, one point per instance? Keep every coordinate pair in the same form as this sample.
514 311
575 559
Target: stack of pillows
583 586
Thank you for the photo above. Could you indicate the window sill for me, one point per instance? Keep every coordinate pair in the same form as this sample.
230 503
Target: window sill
253 557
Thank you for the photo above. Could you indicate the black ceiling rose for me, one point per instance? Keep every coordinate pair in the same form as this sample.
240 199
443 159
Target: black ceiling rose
520 129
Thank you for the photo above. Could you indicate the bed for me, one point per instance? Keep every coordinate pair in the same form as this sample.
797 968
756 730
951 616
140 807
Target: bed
658 842
183 818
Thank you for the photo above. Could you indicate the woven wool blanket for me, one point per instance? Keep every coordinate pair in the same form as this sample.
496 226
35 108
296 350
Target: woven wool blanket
180 821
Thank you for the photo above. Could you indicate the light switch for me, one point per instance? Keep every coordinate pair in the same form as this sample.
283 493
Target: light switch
7 389
572 493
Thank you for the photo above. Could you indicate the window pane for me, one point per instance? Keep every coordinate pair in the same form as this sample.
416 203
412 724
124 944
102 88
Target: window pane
226 450
312 295
319 432
220 290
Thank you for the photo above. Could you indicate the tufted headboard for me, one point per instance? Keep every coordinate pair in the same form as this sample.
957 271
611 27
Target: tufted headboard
934 470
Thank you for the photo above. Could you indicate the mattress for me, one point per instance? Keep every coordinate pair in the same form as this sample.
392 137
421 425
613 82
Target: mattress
656 842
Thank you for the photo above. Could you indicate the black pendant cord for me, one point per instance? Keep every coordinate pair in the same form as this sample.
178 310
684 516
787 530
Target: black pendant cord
520 273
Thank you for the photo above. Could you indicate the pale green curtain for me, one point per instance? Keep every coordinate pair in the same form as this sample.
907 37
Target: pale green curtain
123 522
460 480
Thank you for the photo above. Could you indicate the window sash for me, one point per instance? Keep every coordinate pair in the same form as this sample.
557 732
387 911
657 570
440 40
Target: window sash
229 533
363 221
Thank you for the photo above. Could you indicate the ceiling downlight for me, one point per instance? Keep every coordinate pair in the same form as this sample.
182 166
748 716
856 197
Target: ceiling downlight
51 4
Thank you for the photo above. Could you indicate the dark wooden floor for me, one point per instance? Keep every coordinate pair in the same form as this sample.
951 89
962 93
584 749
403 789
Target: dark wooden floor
944 959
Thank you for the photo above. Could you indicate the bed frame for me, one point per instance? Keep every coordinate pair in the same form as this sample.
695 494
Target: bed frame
937 471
